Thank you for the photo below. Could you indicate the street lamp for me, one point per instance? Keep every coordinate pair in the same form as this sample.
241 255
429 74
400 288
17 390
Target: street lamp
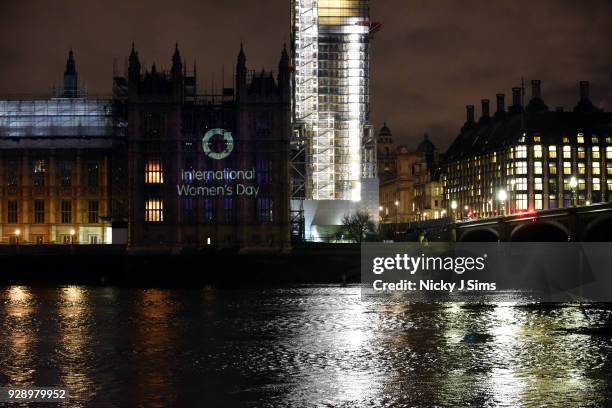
72 232
502 196
453 206
17 234
573 184
396 215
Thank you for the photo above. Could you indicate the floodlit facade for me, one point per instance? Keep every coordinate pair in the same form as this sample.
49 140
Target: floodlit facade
56 161
331 105
529 159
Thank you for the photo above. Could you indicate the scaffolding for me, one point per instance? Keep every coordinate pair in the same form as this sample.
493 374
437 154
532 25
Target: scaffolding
57 117
330 46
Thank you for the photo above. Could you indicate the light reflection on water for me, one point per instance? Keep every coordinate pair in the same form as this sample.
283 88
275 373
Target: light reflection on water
299 347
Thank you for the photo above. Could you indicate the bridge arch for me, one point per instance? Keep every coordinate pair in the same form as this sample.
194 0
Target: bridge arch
540 231
598 230
480 235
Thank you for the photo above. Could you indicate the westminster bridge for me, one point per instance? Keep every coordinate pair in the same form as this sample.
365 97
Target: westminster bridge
584 223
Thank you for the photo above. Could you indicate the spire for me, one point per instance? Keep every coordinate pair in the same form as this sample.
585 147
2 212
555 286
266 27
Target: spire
134 64
70 77
177 64
241 72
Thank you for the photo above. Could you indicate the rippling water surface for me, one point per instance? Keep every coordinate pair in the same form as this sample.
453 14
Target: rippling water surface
300 347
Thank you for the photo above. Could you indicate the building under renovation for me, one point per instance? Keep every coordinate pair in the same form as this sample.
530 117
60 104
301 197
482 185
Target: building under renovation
56 161
334 150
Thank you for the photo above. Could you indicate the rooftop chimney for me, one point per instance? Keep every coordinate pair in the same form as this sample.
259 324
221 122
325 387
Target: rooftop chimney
470 113
501 104
516 97
536 92
584 90
485 108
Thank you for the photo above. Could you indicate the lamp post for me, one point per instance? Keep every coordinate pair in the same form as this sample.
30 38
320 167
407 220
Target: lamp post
17 234
502 196
512 205
453 206
396 215
72 232
573 184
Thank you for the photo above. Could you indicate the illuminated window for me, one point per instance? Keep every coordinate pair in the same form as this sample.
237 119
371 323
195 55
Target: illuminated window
581 168
521 167
38 176
552 168
154 210
580 138
565 139
552 152
594 139
521 201
609 169
521 184
537 151
596 184
581 154
609 152
539 202
153 172
536 139
537 167
595 151
567 152
595 168
521 152
537 184
567 167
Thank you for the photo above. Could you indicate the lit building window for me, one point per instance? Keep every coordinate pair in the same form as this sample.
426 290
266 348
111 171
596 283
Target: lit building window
539 202
580 138
567 152
536 139
596 168
537 184
521 201
567 167
154 210
596 184
609 152
594 139
581 154
153 172
552 168
537 167
521 152
537 151
38 177
552 152
581 168
521 167
565 139
521 184
609 169
595 150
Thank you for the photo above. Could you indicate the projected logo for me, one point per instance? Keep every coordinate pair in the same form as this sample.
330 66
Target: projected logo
218 144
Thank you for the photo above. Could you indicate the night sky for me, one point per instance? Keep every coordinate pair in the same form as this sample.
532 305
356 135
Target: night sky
431 58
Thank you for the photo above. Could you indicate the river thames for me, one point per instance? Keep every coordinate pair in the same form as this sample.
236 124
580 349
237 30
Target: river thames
306 346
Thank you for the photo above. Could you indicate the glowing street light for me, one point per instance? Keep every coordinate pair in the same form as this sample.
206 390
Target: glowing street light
502 196
72 232
453 205
573 184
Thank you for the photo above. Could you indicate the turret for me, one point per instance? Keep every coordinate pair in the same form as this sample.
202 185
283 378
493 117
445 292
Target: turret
70 77
283 73
241 73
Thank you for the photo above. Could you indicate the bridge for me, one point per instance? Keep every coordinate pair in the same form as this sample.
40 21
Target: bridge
591 223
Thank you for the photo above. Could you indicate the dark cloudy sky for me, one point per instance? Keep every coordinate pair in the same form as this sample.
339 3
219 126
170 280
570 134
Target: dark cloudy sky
431 58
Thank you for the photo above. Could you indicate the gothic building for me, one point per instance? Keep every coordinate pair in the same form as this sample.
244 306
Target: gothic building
410 188
206 169
56 156
529 158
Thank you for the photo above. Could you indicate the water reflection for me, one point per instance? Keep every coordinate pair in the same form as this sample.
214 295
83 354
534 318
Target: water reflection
300 347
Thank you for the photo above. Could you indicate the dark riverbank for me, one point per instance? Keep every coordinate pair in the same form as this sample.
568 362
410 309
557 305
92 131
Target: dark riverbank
114 265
